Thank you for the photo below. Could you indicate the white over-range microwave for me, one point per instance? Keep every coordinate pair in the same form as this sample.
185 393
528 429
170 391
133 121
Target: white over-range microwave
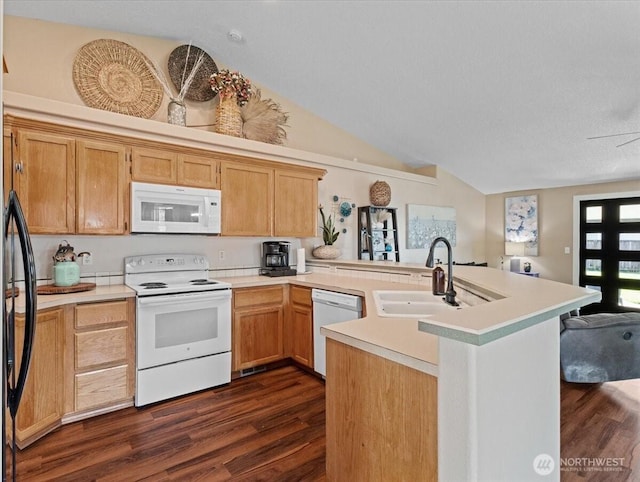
158 208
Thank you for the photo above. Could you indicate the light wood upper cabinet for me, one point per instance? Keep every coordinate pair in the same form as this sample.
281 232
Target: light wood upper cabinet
46 185
196 171
167 167
296 204
151 165
102 189
7 162
261 200
247 199
41 407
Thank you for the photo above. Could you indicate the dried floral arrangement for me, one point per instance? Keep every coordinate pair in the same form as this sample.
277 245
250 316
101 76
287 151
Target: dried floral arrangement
227 84
263 120
187 79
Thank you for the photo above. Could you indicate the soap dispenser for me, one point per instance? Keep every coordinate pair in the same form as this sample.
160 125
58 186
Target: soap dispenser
437 280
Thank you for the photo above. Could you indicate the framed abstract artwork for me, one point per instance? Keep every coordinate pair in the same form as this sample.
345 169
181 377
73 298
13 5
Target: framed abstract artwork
521 222
426 223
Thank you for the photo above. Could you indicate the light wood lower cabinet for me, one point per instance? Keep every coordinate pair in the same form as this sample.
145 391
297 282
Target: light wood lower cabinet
258 322
272 323
382 418
41 407
298 333
104 360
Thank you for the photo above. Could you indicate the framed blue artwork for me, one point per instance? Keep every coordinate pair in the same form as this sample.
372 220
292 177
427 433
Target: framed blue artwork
521 222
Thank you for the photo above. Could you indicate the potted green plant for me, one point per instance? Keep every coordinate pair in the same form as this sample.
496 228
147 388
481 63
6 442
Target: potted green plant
329 236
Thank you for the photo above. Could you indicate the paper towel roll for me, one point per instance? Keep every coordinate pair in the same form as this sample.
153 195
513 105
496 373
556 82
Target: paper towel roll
300 266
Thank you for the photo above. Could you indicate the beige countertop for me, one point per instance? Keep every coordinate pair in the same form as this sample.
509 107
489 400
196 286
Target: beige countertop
99 293
520 301
396 339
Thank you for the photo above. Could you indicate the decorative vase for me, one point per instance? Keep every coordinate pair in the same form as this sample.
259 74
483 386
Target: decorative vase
177 113
228 119
326 251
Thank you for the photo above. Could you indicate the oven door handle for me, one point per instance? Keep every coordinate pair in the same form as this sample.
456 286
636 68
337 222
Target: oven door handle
172 299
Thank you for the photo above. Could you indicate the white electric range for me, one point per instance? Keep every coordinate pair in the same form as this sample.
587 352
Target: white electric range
183 326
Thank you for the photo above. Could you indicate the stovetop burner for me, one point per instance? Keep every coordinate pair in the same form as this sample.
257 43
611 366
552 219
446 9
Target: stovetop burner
202 281
153 285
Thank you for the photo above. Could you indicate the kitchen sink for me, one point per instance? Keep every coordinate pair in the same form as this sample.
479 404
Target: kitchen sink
410 296
409 304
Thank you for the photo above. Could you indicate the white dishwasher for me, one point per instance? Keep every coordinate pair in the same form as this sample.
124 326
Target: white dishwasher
330 307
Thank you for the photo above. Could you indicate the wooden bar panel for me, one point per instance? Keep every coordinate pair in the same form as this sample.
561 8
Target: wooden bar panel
381 418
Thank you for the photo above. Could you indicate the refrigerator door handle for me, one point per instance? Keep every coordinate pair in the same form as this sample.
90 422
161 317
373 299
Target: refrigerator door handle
14 211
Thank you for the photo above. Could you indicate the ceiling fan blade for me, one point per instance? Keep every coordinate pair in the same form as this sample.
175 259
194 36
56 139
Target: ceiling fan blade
613 135
628 142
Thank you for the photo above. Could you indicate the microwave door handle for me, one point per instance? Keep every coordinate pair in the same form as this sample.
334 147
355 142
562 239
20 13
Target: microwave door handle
207 211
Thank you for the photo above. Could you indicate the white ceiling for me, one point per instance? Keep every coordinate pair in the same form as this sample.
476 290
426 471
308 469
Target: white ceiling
501 94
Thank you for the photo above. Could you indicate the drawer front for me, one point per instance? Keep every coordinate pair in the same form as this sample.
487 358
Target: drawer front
301 295
101 313
95 348
243 298
101 387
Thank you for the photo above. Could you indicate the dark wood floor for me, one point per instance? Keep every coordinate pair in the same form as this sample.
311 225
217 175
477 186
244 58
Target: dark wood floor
267 427
270 427
599 424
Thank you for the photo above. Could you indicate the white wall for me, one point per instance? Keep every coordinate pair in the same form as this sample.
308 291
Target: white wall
449 191
33 47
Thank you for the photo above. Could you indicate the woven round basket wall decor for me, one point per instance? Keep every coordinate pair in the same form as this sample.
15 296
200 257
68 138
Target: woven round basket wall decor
380 193
200 88
112 75
228 119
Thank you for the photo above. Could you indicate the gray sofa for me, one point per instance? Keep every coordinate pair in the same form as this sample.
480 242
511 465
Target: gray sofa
600 348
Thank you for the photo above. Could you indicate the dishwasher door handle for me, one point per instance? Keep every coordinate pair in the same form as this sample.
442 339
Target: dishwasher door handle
330 303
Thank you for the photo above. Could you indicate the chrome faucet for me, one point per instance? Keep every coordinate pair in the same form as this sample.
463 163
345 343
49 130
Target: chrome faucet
450 294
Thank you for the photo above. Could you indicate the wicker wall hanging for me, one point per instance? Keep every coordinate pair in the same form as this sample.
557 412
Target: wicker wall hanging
112 75
200 88
380 193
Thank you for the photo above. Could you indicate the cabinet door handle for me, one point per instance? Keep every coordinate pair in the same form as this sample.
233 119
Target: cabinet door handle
19 167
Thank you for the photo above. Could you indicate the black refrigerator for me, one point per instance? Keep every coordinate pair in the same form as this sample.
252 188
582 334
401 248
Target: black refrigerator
19 279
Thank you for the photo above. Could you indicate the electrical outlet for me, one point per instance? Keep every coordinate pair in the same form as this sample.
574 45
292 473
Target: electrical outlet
87 259
221 255
567 250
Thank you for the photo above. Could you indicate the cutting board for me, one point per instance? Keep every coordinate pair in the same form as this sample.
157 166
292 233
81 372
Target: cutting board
59 290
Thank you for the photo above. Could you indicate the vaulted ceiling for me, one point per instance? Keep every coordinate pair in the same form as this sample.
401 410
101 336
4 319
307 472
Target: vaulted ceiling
504 95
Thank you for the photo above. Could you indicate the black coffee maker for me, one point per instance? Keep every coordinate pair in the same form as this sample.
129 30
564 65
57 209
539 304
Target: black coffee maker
275 259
